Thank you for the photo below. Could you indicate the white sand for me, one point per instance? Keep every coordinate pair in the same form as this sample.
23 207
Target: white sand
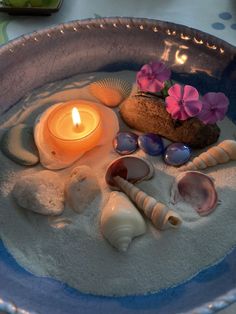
71 248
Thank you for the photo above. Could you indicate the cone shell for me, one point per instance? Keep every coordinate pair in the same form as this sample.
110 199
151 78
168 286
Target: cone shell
121 221
197 189
111 91
161 216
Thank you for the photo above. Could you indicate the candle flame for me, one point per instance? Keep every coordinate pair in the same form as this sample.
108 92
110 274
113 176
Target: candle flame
76 117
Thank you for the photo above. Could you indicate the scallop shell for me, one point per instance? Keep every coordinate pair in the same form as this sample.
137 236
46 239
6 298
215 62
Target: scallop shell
50 156
111 91
197 189
220 154
133 169
121 221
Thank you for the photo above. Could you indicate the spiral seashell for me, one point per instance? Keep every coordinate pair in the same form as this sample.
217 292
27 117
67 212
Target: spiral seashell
110 91
220 154
121 221
161 216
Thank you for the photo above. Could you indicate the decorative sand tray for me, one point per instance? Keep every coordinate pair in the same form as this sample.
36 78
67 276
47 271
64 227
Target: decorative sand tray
124 197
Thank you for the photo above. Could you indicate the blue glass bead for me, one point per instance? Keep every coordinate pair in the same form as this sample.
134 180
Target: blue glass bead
151 144
177 154
125 143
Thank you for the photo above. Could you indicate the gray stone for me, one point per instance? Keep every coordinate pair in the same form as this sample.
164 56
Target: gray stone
17 143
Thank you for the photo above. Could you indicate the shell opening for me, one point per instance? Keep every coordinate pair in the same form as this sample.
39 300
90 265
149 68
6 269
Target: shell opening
174 221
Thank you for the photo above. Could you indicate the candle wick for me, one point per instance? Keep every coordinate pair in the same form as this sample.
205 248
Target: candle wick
79 127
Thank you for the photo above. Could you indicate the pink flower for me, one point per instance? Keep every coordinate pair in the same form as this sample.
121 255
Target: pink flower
183 102
215 106
152 77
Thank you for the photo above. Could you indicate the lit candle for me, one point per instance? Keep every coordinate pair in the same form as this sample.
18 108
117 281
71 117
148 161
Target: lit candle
66 131
74 127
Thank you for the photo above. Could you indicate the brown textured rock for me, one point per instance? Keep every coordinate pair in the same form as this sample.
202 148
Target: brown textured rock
147 113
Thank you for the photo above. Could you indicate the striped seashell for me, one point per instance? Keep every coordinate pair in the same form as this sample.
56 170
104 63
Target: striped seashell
161 216
110 91
220 154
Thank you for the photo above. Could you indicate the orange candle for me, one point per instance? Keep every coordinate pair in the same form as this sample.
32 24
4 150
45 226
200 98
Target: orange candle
74 127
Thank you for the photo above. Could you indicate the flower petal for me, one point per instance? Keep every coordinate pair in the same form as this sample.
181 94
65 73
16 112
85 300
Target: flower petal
143 83
207 117
210 99
192 108
176 91
171 104
146 69
183 115
157 66
220 114
160 71
218 100
176 111
223 101
190 93
155 86
215 106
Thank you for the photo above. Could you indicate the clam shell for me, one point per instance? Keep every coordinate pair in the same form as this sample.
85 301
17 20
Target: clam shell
130 168
121 221
110 91
197 189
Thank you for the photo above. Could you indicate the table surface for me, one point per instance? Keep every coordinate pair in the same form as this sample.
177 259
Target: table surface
215 17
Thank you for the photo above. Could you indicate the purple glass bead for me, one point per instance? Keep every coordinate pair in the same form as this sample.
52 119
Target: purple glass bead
151 144
125 143
177 154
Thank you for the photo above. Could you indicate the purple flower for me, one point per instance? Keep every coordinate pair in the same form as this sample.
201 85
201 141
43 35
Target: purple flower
183 102
214 107
152 77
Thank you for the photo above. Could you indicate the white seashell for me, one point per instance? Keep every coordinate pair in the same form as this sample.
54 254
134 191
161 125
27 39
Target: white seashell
82 188
197 189
111 91
220 154
161 216
121 221
50 156
41 192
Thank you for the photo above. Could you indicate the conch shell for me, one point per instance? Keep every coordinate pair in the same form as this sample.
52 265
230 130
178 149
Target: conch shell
161 216
220 154
121 221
